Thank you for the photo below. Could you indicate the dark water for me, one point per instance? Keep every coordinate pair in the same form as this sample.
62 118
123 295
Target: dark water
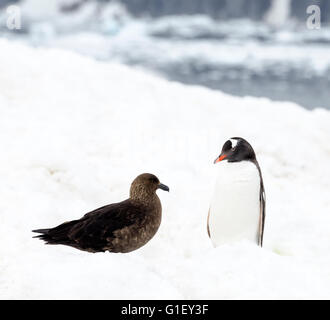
221 9
215 8
309 93
218 9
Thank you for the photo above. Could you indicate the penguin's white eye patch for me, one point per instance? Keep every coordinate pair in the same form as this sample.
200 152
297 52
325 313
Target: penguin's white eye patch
233 143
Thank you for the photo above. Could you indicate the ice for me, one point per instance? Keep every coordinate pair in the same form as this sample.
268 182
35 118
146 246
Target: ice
75 132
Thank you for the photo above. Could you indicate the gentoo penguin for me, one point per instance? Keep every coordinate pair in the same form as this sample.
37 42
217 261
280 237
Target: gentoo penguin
118 227
237 209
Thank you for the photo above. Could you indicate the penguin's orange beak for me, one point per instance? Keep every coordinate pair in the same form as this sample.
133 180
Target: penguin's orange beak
220 158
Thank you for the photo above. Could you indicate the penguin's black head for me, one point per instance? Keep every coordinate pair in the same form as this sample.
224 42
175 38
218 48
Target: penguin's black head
235 150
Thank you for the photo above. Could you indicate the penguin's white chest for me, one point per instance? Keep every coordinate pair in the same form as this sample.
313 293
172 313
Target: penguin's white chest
235 207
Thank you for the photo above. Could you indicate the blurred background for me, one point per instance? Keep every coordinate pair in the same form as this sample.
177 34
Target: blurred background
257 48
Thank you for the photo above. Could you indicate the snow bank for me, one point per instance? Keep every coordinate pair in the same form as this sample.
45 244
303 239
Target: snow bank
75 132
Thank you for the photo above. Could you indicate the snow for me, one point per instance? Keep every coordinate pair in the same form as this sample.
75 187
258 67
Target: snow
279 12
75 132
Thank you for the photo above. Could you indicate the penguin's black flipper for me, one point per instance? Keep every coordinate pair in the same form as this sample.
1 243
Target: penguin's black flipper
262 200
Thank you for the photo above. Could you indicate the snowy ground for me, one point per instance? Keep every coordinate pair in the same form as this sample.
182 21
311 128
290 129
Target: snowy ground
75 132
